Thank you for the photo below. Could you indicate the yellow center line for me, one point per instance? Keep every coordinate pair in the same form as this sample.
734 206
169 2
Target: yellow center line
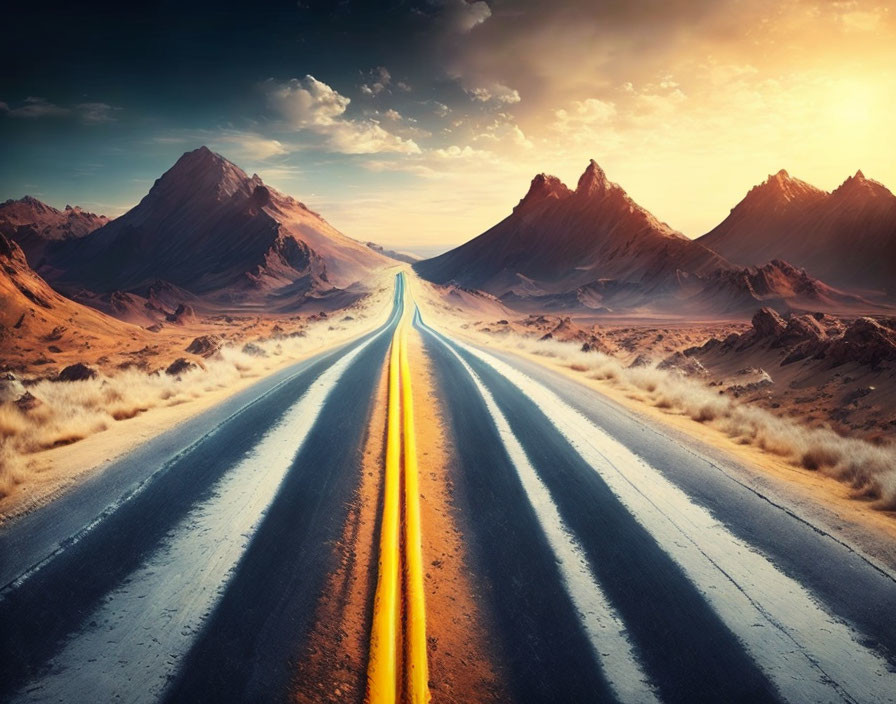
417 668
398 663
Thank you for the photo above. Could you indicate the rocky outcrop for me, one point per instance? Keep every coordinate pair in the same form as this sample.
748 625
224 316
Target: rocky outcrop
205 345
35 226
179 366
767 323
815 336
76 372
865 341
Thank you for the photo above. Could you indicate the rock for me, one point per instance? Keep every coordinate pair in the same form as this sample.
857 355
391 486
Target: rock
641 361
155 327
802 328
179 366
27 401
76 372
767 323
10 387
680 362
56 333
205 345
253 350
54 349
865 341
183 315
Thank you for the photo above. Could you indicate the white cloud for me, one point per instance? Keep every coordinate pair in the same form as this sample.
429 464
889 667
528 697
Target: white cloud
309 104
237 145
305 103
495 92
455 152
462 16
440 109
380 81
583 113
366 137
254 146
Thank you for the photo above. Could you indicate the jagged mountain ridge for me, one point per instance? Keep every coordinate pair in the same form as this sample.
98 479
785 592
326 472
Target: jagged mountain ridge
33 225
595 248
846 237
557 239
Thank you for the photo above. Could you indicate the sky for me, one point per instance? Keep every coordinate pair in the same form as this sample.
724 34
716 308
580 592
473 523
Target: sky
420 123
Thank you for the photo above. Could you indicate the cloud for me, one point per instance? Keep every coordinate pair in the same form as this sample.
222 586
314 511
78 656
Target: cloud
366 137
455 152
33 108
462 16
96 113
494 92
237 145
305 103
310 104
380 81
584 113
253 146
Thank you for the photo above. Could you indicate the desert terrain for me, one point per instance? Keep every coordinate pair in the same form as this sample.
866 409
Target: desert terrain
437 434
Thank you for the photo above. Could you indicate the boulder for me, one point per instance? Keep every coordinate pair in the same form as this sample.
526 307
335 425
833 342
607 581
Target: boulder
865 341
802 328
76 372
254 350
683 364
179 366
205 345
767 323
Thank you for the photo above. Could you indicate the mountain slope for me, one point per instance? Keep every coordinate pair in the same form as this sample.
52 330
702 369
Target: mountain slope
209 228
33 314
33 225
557 240
847 237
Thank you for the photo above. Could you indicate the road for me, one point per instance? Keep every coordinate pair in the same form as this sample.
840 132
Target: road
617 562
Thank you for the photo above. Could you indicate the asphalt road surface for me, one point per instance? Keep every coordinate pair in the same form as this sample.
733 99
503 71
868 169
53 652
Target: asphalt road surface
620 563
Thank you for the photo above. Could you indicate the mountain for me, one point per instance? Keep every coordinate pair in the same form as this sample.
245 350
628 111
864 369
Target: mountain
846 237
208 228
33 224
32 314
557 239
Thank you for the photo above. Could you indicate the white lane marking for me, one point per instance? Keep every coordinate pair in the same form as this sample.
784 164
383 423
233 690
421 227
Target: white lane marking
809 654
606 631
138 636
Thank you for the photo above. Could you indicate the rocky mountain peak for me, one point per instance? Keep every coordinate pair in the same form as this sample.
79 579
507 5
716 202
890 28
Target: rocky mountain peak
544 186
594 180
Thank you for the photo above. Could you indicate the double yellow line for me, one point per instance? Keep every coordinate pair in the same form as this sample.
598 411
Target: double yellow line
398 669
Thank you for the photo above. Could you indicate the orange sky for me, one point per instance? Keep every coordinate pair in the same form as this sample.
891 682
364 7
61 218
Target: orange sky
685 116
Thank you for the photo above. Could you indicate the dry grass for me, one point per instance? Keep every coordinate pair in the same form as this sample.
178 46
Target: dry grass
869 469
69 412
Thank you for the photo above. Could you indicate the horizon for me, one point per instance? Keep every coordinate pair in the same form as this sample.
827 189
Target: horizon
427 132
